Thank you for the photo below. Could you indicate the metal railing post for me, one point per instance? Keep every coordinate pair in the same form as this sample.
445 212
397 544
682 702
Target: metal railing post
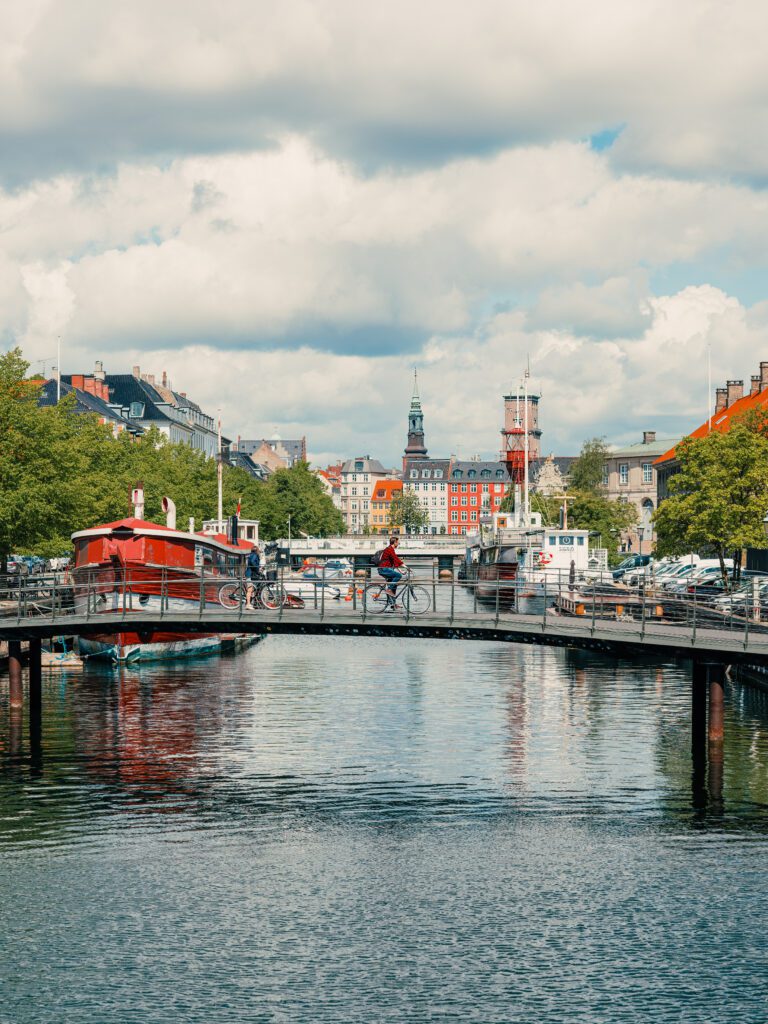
453 598
53 598
497 597
693 630
594 606
434 588
241 589
322 591
163 591
746 624
544 615
641 592
282 591
88 597
201 605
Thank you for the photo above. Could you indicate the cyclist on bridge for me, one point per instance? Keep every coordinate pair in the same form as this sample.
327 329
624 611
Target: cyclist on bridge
389 564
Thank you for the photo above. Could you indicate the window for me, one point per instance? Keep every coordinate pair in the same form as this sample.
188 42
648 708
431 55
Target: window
471 473
354 490
414 474
623 472
473 487
485 488
605 475
438 474
354 477
457 474
463 499
463 517
485 472
454 488
136 411
580 541
552 541
500 473
454 517
359 467
425 473
647 472
434 487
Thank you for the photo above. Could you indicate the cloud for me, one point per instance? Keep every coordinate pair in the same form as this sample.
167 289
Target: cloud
616 306
91 84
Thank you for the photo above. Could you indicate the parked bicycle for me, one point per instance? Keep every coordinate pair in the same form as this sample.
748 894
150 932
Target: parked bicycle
410 598
267 594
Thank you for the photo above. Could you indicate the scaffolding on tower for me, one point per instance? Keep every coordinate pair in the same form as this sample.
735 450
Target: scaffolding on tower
516 450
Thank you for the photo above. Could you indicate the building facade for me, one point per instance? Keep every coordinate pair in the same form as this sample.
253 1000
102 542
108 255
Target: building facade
629 475
475 490
383 495
359 478
428 480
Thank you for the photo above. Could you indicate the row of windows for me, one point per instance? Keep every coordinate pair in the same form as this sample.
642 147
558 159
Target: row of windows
647 468
457 474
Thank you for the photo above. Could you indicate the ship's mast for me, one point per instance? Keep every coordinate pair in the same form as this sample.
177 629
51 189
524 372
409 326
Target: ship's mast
526 493
220 482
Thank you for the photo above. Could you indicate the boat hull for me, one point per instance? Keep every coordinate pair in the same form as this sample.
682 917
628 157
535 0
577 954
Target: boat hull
122 648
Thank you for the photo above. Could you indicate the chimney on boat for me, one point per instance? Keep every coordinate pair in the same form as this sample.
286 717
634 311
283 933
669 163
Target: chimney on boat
137 499
169 507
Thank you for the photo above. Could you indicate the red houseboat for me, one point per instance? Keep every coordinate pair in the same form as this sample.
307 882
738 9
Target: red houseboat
140 566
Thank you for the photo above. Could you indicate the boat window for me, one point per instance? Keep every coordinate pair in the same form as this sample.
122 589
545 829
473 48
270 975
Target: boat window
507 555
566 541
552 541
580 541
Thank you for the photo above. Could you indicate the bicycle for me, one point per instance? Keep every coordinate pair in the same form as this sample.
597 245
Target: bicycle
414 599
267 594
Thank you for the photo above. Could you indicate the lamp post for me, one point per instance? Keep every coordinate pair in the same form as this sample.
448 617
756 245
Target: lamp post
288 520
640 535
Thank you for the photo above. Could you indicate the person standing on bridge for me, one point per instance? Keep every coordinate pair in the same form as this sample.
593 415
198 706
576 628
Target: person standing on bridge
253 574
389 564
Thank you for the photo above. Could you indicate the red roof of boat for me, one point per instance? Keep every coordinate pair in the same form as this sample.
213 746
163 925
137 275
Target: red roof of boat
131 523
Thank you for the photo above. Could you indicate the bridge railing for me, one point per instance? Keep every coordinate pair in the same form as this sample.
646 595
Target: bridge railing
553 598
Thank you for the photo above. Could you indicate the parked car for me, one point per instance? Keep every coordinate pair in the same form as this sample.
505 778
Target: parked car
59 563
35 564
631 562
17 566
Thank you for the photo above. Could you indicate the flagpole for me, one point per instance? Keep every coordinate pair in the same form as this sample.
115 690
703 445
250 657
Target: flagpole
219 474
58 369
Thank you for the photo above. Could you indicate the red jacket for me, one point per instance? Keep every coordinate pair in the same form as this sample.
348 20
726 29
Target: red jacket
389 559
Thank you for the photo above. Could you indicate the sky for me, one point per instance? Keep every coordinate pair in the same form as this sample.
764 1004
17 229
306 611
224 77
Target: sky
289 206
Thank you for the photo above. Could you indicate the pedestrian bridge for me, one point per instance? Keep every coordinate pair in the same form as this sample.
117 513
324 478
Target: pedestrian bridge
702 641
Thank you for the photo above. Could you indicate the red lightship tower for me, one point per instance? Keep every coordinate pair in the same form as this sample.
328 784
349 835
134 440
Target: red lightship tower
521 444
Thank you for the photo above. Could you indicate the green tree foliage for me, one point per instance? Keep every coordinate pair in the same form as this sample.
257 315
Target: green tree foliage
587 471
61 471
407 512
719 498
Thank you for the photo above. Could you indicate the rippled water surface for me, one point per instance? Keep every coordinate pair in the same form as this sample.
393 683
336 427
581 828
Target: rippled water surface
328 830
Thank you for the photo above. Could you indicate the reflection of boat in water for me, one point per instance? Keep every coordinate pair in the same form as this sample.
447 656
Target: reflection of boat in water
133 566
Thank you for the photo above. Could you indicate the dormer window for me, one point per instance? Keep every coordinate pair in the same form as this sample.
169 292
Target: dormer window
136 410
438 474
471 474
359 467
457 474
425 473
414 474
485 472
500 474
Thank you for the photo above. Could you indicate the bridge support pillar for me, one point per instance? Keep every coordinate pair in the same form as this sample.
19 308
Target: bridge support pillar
699 694
15 691
35 691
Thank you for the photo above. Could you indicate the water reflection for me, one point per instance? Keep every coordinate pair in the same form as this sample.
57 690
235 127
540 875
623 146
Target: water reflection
322 729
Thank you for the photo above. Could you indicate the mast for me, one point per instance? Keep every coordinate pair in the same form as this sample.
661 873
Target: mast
526 494
220 481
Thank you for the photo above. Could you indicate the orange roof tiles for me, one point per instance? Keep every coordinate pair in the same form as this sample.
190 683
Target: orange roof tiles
385 490
723 420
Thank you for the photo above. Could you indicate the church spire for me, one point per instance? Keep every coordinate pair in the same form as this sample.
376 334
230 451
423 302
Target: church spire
416 447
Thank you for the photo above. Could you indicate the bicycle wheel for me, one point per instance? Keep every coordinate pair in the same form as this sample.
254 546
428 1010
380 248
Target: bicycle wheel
374 598
271 595
416 599
229 595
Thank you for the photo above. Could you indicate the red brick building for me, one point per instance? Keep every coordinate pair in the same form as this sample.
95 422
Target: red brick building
475 489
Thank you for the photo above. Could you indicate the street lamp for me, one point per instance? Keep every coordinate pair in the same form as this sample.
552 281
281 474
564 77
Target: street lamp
640 535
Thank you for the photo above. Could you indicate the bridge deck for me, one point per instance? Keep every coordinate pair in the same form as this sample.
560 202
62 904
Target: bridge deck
705 643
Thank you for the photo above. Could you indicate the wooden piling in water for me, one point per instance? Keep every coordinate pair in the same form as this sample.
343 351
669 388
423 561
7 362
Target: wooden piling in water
15 690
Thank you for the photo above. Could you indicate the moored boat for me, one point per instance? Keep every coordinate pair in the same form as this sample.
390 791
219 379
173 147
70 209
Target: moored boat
134 566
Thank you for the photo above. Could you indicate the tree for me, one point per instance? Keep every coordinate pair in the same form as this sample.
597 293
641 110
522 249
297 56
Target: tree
587 471
406 511
719 499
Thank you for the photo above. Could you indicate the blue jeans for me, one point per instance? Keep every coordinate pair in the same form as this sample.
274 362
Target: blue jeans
393 577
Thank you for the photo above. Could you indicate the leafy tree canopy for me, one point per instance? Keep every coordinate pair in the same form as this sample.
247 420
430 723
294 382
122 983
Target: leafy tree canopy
62 471
406 511
719 498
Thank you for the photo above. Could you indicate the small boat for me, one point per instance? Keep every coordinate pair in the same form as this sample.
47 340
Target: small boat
134 566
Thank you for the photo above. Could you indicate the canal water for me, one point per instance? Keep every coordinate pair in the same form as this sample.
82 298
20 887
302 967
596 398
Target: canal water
349 830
